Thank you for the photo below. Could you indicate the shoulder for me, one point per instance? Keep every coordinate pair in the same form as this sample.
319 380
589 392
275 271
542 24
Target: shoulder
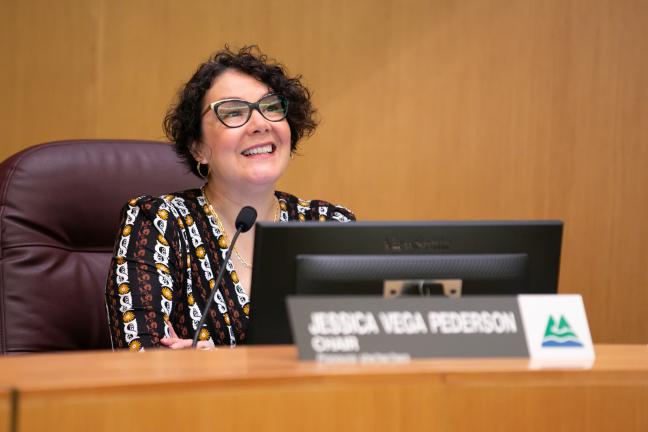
295 208
162 206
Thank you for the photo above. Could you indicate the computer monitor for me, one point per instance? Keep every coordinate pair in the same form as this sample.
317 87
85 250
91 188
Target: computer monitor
396 258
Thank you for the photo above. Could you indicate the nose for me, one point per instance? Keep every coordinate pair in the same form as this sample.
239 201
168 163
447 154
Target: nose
258 123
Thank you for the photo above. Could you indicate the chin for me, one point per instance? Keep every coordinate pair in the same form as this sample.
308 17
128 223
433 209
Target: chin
265 176
263 180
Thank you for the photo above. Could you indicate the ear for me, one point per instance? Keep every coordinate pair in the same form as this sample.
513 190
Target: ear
196 150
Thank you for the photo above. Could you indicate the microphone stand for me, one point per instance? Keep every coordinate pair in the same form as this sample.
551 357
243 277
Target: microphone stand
213 291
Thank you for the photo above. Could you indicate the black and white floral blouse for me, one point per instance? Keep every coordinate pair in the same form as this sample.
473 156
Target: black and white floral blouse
167 255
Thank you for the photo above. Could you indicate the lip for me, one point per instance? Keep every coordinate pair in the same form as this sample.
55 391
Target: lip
274 149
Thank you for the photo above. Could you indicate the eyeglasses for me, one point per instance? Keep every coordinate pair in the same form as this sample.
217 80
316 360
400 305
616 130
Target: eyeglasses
235 113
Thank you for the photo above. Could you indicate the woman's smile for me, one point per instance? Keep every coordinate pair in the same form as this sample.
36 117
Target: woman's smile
259 151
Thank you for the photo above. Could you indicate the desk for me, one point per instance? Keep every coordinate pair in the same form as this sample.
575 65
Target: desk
5 409
266 388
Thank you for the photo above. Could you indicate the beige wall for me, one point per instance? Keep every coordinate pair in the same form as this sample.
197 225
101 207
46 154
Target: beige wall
478 109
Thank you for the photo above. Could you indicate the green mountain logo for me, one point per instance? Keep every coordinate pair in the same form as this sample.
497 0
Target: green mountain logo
560 334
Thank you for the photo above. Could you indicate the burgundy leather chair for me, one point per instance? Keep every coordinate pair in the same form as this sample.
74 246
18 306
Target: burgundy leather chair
59 215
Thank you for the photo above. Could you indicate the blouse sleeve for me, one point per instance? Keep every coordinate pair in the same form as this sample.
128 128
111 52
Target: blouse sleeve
325 211
144 275
342 214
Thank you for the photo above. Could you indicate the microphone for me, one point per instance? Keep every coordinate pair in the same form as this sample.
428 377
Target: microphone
244 221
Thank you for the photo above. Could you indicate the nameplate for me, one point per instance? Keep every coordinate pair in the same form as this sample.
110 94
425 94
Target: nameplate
378 330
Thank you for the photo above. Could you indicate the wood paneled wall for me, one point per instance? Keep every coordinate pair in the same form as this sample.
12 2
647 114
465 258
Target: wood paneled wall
499 109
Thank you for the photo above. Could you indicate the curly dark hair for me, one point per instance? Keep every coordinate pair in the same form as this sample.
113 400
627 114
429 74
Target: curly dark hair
182 122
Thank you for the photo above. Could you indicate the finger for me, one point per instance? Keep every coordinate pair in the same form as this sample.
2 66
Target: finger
167 341
181 343
177 343
172 332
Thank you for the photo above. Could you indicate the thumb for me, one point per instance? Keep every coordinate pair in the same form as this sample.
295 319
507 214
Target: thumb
172 332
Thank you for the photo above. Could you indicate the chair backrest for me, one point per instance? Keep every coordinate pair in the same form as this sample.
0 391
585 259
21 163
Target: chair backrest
59 213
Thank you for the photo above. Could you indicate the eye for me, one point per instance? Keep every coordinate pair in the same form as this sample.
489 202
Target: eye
272 105
230 113
232 109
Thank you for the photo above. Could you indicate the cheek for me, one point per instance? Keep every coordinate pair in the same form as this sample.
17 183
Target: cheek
223 139
285 133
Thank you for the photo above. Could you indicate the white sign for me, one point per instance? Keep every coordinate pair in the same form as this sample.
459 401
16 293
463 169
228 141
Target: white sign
557 332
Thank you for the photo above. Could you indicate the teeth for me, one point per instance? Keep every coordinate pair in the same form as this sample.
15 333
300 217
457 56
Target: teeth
258 150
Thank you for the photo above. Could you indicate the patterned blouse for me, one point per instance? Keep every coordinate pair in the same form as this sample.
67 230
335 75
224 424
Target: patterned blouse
166 259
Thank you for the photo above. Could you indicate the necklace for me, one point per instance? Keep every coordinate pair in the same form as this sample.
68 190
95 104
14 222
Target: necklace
222 228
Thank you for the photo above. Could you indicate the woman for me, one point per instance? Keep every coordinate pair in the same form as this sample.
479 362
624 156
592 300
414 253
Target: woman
237 123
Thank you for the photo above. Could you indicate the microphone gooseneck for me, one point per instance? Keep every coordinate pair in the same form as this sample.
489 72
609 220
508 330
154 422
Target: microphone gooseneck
244 222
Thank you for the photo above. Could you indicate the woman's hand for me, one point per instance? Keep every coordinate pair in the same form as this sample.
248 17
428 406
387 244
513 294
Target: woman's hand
174 342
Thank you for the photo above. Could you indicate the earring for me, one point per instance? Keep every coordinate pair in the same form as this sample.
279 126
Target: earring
203 176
